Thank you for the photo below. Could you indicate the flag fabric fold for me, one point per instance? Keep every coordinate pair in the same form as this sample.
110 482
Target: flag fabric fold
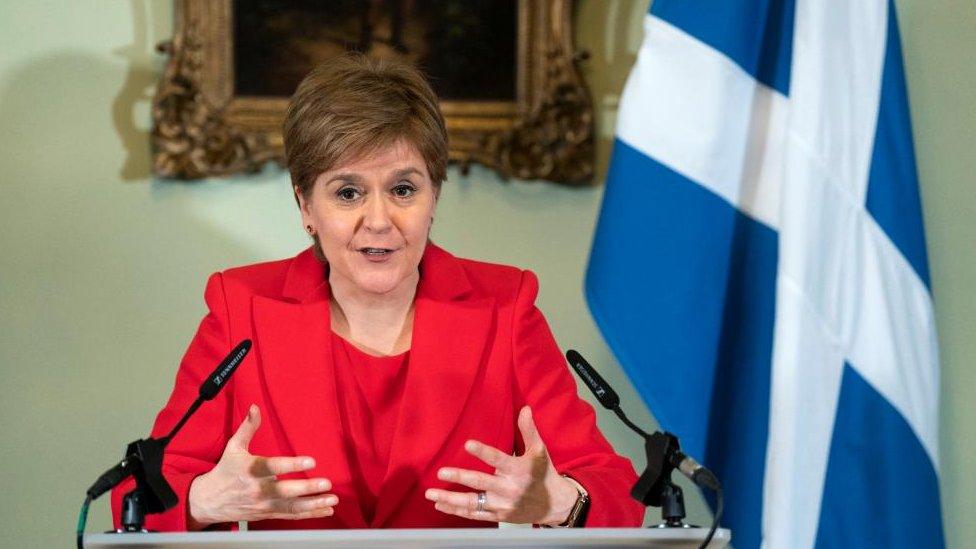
759 267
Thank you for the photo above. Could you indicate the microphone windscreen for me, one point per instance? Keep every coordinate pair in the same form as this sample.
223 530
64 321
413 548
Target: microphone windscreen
219 377
603 392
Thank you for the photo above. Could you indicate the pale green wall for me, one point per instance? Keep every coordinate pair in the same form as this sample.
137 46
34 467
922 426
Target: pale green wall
103 268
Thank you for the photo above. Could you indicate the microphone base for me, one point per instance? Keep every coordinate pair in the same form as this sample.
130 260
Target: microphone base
672 505
133 512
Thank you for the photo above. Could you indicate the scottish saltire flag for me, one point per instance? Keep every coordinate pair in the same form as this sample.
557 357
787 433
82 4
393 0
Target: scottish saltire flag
759 267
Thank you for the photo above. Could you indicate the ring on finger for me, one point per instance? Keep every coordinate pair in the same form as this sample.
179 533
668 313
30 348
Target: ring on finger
482 500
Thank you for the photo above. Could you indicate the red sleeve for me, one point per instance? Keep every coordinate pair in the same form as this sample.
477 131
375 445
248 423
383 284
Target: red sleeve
566 423
198 446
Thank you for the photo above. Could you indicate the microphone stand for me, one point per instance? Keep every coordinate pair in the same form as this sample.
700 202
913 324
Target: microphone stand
654 487
152 493
144 461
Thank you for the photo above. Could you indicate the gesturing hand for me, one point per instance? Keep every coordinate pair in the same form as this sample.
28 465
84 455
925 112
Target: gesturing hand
244 487
524 489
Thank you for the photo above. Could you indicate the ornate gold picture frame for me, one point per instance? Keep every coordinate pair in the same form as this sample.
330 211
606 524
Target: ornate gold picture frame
202 128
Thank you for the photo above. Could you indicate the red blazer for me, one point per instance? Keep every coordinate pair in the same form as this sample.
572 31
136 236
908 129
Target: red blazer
480 351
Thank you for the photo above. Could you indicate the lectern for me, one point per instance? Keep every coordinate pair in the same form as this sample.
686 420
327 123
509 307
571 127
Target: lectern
644 538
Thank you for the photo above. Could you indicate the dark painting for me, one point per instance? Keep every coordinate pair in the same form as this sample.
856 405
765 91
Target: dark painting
466 47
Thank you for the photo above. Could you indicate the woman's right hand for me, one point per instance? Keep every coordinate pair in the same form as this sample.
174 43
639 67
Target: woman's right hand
245 487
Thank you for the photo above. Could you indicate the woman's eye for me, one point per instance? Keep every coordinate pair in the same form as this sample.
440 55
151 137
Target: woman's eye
348 194
403 190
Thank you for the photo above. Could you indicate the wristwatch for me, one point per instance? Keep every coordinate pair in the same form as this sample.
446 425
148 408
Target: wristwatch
577 516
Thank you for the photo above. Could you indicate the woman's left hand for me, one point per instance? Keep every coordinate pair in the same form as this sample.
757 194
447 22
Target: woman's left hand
525 489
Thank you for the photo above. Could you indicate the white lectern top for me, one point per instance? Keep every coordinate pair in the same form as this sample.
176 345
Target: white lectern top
671 538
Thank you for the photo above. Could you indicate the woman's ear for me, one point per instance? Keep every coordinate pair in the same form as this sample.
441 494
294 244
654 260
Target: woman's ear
300 198
303 208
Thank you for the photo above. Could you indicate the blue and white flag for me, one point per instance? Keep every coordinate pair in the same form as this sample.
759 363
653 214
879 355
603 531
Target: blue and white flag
759 267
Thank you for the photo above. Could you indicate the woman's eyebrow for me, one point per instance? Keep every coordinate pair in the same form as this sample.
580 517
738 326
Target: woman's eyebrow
403 172
345 178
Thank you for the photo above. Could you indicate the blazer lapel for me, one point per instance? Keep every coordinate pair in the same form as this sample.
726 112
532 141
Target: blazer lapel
449 338
294 342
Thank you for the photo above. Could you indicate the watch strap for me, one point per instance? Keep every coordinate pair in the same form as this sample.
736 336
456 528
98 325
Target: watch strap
577 515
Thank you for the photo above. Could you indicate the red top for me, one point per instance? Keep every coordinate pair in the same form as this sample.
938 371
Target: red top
369 390
480 350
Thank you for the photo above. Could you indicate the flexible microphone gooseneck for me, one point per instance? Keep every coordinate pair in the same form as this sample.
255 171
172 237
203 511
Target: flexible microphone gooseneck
662 449
143 458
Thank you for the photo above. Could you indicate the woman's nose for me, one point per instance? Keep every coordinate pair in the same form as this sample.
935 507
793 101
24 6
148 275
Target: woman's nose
376 218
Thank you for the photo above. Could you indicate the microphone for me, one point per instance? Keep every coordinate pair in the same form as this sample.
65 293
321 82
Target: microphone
214 383
212 386
144 460
606 395
690 468
654 486
603 392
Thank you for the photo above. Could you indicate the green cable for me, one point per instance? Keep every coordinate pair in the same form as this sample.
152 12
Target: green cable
82 519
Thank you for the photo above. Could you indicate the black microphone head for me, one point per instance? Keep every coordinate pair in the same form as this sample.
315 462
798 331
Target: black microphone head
219 377
606 395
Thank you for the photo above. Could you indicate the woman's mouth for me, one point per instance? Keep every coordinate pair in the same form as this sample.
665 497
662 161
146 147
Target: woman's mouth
376 254
375 251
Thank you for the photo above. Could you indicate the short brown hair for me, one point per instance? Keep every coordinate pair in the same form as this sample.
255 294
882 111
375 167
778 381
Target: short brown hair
353 104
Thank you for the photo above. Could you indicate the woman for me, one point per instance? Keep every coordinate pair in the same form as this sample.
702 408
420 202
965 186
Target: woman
391 384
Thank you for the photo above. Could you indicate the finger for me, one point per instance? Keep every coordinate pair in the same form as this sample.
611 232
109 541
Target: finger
530 435
281 465
298 488
472 479
492 456
327 512
465 513
467 500
296 508
242 437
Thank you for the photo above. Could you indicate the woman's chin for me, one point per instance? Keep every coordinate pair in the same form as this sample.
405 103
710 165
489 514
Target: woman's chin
379 283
